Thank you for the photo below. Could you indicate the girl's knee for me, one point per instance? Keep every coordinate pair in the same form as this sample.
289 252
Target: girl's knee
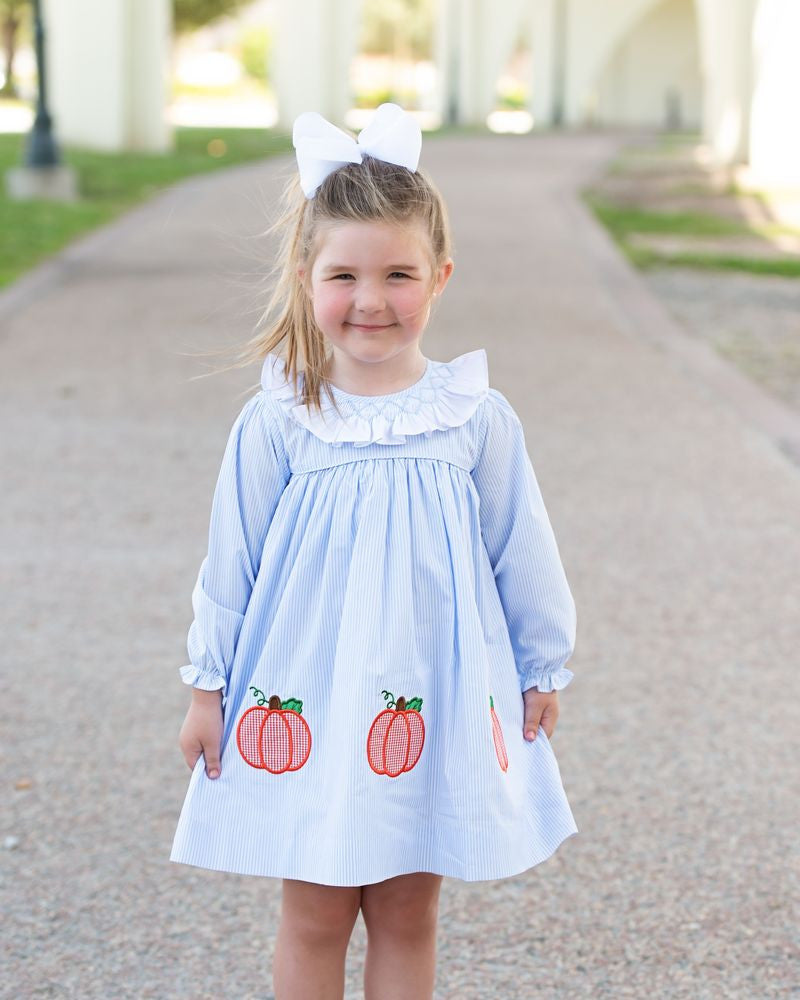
322 914
404 907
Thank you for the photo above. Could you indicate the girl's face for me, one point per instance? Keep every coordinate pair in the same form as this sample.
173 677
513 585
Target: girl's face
371 286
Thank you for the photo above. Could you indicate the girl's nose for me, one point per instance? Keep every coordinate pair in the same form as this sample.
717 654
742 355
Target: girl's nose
369 297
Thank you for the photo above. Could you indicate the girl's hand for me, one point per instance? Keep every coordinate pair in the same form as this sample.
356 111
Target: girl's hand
201 732
541 709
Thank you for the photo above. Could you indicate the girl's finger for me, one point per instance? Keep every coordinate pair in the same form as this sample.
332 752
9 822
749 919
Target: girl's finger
531 725
212 761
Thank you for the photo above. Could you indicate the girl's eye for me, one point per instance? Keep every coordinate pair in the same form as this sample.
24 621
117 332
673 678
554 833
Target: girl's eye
345 276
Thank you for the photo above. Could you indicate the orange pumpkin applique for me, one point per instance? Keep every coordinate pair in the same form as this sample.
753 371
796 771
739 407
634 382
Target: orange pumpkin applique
396 737
497 733
275 738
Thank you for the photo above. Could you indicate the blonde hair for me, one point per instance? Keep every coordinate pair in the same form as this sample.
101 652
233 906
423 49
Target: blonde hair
372 190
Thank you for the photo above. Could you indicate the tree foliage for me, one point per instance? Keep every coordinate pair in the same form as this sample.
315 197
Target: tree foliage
398 27
190 14
13 20
255 45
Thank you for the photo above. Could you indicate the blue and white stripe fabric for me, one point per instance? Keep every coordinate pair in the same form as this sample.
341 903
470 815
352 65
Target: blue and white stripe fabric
396 549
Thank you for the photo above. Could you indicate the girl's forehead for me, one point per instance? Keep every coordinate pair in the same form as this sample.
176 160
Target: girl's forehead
357 237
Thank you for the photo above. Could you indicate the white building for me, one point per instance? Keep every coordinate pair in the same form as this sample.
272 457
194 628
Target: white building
728 67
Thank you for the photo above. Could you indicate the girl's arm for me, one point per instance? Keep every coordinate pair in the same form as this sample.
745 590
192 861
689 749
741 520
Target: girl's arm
533 589
252 477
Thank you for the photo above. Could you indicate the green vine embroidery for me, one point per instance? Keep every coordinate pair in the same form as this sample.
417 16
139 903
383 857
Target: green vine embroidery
293 704
413 703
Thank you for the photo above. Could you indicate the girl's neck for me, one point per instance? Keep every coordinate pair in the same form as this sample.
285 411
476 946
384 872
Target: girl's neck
375 380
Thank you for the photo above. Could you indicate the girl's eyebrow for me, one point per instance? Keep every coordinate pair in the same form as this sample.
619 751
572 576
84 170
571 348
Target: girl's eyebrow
391 267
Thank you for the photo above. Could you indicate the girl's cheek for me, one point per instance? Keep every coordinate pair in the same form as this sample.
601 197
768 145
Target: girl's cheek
325 320
328 305
414 305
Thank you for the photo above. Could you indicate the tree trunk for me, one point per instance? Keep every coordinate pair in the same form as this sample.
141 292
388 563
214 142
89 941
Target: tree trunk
9 33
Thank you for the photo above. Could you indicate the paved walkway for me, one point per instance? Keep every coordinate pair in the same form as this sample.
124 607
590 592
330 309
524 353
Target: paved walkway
677 520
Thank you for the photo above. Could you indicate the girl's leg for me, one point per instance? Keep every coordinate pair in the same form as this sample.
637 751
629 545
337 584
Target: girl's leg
401 915
316 924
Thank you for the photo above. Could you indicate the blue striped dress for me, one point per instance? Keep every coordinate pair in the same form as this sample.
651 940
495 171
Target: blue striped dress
381 584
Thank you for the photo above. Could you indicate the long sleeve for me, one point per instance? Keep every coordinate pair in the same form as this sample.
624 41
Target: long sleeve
538 605
252 477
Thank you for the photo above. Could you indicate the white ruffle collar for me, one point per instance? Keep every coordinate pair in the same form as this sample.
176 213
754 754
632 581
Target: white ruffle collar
446 396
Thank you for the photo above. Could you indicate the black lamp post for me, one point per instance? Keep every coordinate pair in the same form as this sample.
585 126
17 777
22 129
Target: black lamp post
560 30
42 150
454 42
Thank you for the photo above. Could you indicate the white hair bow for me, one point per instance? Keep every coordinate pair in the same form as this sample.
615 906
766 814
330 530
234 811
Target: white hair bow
393 135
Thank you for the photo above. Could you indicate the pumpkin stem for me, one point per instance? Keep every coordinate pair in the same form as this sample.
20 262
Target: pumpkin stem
401 705
274 702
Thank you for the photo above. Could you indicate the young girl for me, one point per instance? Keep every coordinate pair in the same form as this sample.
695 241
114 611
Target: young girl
382 621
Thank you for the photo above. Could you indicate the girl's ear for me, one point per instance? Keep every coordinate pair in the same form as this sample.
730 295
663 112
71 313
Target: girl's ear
443 276
301 277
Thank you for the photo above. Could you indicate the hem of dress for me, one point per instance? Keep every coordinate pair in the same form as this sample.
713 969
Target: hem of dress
536 859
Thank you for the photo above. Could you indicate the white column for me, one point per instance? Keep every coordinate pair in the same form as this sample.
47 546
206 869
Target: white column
726 59
546 69
469 38
315 42
446 57
108 72
775 117
484 33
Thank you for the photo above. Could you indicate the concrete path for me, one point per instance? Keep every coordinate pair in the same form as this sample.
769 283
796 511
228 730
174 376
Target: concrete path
677 520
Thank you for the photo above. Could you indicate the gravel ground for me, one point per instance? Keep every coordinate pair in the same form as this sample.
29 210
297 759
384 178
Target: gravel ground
752 320
677 522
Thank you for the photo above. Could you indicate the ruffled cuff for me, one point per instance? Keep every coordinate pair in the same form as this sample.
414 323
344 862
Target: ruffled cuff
206 680
546 680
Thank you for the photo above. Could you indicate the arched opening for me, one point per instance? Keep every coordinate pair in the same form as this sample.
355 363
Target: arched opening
652 76
394 60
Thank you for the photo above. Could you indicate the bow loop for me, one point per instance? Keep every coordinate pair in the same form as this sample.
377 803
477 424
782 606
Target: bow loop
321 149
393 135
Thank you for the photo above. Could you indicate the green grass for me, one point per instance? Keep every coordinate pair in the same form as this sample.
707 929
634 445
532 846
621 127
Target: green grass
643 258
623 222
110 183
